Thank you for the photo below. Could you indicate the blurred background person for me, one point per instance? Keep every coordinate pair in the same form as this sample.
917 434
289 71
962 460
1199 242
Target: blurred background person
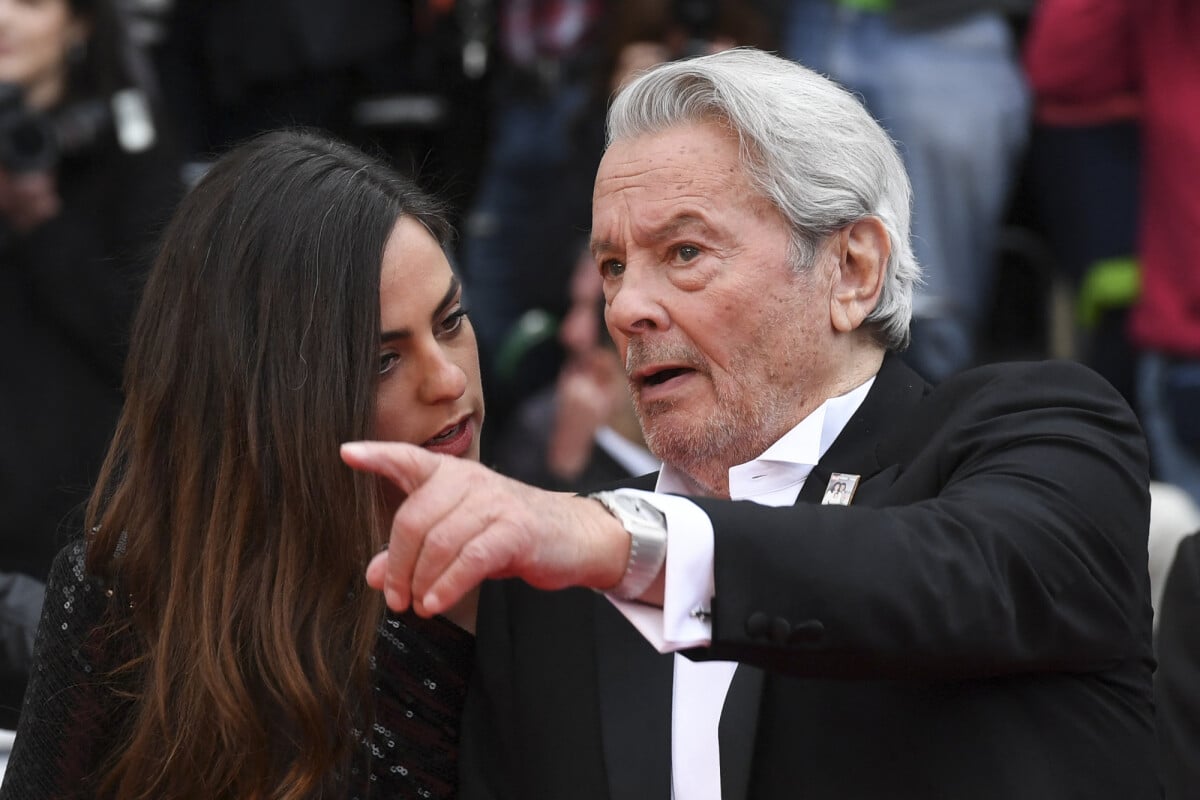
529 217
212 635
1120 59
944 78
581 432
1081 188
238 68
86 176
402 79
1115 60
1084 175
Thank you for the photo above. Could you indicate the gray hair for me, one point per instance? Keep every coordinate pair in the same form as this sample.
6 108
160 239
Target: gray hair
807 145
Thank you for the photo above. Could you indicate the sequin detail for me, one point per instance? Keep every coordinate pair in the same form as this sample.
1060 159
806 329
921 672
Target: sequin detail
419 670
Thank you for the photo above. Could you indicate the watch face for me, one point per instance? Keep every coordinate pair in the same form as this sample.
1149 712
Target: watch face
634 505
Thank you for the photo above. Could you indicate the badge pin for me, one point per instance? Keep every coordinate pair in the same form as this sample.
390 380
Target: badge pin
840 490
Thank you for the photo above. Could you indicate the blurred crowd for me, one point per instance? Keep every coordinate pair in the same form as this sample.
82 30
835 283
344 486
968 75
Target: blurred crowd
1053 147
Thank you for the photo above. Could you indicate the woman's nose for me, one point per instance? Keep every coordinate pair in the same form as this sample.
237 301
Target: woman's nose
443 380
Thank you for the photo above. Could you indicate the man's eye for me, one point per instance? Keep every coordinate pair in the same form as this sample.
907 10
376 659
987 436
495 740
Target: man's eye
687 252
453 323
611 269
387 361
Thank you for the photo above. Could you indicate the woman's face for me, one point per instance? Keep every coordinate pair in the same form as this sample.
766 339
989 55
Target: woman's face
35 36
430 391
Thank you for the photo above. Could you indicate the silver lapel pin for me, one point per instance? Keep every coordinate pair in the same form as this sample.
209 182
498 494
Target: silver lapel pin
840 489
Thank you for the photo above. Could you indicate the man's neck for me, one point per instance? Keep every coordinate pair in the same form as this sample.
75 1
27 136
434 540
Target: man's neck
860 366
698 489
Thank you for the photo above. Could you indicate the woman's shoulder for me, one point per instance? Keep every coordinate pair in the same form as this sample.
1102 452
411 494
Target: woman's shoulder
69 574
75 606
69 717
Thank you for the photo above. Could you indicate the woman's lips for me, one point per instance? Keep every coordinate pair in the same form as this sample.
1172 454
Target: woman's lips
453 441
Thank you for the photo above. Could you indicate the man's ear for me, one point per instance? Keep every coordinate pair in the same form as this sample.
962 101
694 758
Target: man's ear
862 250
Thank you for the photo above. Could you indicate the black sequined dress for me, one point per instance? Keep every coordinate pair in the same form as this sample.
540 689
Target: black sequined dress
68 720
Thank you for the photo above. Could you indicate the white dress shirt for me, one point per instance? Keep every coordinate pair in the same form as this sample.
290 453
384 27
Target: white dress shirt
773 479
635 458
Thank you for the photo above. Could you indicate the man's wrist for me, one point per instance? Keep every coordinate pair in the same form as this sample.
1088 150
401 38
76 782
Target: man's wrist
647 529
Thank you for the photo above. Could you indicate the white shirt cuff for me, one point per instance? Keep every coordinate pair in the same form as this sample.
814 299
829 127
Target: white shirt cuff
683 621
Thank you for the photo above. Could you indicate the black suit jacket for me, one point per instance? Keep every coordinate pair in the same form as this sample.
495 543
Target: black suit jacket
976 625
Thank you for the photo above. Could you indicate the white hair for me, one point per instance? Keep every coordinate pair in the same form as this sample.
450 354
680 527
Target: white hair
807 145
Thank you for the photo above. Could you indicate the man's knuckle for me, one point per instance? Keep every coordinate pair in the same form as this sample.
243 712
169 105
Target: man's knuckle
439 543
477 553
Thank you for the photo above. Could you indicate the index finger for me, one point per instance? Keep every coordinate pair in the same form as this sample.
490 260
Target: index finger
408 467
405 465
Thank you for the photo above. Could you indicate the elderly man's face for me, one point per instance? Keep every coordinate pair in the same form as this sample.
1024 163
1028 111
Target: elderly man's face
726 346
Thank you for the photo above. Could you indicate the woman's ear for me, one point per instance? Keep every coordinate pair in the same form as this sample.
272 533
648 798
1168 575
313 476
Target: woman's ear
863 250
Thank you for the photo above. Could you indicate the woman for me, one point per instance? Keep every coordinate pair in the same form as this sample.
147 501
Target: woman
212 637
83 191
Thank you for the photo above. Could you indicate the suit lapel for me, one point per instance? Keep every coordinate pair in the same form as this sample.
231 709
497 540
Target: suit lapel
897 388
635 708
856 450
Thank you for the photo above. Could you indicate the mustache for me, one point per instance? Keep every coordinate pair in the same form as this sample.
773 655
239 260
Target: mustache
640 352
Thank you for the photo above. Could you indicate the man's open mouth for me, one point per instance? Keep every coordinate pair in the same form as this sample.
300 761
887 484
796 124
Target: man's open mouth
662 376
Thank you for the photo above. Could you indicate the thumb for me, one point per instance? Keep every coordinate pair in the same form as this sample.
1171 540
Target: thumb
405 465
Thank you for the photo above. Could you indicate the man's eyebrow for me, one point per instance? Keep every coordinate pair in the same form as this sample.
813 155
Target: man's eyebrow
602 246
677 224
671 229
448 298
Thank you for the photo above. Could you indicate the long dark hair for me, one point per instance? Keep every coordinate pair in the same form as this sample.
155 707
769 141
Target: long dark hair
232 533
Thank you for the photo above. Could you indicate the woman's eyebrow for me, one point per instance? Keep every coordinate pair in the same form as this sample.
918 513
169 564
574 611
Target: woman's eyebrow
448 298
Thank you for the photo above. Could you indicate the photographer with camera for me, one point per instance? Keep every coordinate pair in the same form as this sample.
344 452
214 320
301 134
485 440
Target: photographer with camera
85 176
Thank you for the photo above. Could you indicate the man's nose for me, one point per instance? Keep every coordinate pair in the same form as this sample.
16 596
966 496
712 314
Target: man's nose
443 379
635 304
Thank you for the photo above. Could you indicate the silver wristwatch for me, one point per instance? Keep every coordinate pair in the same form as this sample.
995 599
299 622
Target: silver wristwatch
647 527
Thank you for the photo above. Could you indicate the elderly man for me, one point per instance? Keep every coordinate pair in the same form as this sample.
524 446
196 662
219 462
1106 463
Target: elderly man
932 593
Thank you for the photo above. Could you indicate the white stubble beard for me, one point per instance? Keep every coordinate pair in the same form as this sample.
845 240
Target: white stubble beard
744 422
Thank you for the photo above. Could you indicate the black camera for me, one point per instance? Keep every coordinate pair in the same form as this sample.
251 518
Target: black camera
31 141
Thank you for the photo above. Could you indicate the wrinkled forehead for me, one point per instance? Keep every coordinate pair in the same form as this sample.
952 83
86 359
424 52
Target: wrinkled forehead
678 160
675 140
683 174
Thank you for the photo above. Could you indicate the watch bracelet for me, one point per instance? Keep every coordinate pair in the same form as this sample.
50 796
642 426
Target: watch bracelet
646 554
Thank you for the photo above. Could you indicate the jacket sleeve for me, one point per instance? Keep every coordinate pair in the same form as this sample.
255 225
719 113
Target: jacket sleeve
65 721
1008 535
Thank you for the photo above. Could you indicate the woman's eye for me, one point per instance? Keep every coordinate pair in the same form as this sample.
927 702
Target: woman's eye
453 322
387 361
611 269
687 252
